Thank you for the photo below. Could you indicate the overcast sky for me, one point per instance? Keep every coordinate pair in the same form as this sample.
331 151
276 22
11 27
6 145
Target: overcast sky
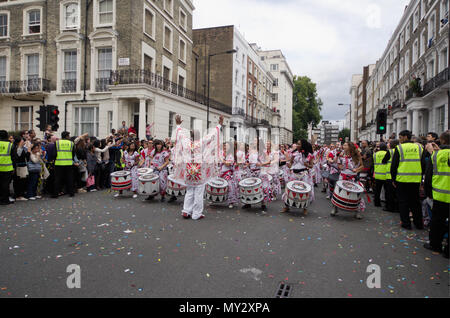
327 40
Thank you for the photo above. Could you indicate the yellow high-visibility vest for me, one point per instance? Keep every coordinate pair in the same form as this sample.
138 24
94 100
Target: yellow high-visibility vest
441 175
6 164
64 149
380 168
409 167
388 165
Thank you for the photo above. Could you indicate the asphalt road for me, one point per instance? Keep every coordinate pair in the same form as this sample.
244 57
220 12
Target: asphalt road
129 248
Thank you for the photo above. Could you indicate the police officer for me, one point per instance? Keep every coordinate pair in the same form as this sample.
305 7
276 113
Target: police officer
65 152
406 172
379 172
437 187
6 167
391 197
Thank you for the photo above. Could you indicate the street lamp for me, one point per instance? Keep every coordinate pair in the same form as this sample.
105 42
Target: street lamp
350 105
209 79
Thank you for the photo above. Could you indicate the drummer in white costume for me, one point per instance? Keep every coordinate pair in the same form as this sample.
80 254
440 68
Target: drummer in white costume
350 164
195 163
301 161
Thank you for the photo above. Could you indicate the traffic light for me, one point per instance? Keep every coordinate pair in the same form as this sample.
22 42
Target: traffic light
53 117
381 122
42 118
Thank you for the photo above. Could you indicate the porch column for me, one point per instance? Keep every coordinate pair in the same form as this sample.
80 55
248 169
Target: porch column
142 115
115 119
415 123
394 128
408 121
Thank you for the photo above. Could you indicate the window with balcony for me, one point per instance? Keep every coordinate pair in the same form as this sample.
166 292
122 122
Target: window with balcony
104 68
4 30
443 59
3 78
430 71
70 72
23 118
32 67
148 63
440 120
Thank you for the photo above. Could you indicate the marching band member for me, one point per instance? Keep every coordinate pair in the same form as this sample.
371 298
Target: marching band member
350 164
270 164
227 173
131 159
195 163
159 163
301 161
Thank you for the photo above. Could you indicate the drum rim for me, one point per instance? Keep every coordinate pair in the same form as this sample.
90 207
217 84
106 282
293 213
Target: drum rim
154 175
340 184
258 183
120 173
296 181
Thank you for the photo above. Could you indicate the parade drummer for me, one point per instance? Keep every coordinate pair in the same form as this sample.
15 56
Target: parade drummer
255 163
159 163
227 170
195 164
301 161
350 164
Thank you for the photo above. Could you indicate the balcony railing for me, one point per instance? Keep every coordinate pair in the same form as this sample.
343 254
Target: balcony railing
36 85
436 82
127 77
69 86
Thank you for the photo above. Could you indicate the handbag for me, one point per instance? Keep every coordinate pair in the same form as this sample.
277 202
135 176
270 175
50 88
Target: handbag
90 181
34 167
22 172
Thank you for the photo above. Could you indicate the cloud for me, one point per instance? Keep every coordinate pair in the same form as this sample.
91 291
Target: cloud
327 40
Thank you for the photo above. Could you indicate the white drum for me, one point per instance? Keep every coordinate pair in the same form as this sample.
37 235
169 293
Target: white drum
174 188
144 171
251 191
297 194
217 190
148 184
120 180
347 195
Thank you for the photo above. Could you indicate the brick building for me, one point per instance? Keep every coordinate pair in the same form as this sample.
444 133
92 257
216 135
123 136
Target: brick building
239 78
138 66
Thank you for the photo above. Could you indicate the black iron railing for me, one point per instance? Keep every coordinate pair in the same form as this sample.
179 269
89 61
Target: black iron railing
69 86
126 77
35 85
436 82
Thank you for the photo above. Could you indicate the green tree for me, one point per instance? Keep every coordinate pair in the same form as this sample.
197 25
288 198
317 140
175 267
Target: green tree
344 133
307 106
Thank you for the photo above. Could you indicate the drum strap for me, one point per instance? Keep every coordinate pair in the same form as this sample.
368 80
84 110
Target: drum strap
367 195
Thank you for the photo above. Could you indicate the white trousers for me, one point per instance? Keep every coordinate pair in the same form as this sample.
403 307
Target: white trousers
193 201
